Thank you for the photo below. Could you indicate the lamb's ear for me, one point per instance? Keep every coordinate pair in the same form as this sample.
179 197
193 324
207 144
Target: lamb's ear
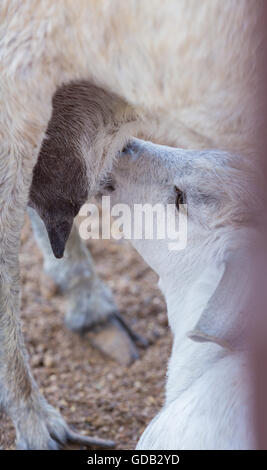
224 320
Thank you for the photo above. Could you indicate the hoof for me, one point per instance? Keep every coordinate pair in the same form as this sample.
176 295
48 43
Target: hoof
43 428
94 313
114 340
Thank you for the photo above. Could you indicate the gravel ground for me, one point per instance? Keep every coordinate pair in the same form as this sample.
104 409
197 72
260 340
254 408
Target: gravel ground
95 394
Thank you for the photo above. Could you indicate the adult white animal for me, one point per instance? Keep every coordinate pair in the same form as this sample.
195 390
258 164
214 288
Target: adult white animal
207 285
183 71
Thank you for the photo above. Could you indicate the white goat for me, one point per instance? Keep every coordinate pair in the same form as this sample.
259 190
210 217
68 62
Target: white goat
178 71
206 285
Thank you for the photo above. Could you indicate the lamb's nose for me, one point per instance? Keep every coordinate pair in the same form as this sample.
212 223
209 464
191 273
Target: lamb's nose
133 149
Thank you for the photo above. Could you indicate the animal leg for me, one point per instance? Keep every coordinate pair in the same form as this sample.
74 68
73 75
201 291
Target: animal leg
91 307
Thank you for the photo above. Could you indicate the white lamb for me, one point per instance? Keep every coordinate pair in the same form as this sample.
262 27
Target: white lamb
209 398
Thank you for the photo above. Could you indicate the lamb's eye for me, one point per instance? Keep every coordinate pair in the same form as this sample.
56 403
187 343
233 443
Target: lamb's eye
180 197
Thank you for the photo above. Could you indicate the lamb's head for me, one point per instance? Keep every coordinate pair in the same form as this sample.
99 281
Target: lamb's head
221 206
87 127
213 187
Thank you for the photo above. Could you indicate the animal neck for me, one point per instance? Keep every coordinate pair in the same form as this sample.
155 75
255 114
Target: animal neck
199 364
187 293
187 290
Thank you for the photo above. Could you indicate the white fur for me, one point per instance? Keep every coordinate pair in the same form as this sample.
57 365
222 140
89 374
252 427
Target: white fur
208 394
187 69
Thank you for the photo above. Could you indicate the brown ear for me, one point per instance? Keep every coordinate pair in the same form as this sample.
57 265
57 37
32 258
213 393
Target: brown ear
58 237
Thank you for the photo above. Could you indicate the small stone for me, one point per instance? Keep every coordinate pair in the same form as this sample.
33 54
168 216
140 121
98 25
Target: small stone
137 385
150 400
48 361
36 360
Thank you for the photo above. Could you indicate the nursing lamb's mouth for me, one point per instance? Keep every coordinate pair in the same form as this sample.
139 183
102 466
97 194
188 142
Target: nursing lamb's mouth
107 184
